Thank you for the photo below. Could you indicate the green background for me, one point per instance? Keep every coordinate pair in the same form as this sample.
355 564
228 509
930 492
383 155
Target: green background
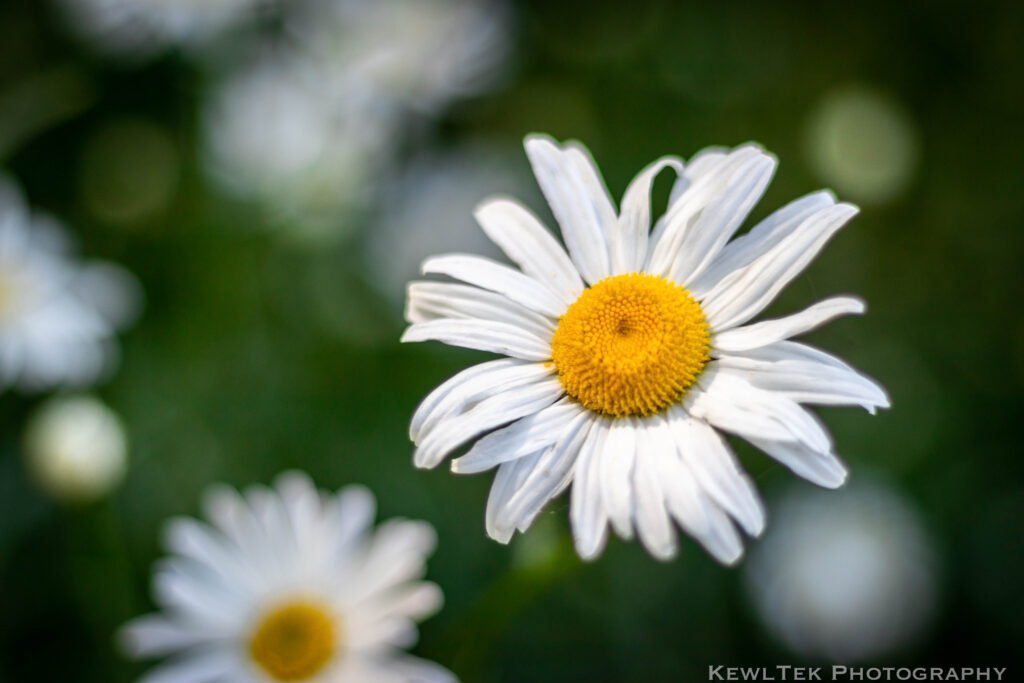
255 355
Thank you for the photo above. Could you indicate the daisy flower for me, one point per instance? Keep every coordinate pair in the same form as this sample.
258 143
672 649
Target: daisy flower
632 348
289 584
58 317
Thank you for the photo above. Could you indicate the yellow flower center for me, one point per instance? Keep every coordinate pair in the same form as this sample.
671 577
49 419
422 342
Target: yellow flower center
630 345
293 642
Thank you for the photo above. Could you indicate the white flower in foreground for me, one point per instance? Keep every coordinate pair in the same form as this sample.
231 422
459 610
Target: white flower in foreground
627 353
75 448
58 317
140 28
290 584
845 577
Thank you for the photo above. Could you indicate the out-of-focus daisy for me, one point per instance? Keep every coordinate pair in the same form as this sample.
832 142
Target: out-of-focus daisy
844 577
140 28
290 584
58 317
419 54
75 448
273 134
626 355
308 128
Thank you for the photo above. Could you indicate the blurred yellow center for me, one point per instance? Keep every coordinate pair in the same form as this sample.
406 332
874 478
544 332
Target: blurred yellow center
294 642
630 345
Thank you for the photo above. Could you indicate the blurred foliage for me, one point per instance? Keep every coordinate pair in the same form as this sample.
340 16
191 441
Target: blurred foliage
253 356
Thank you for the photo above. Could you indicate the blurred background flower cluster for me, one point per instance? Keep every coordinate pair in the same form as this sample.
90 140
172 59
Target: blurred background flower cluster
209 211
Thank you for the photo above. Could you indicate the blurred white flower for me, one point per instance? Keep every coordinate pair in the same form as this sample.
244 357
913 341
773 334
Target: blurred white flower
140 28
419 54
58 317
430 209
845 576
75 448
274 135
290 584
307 129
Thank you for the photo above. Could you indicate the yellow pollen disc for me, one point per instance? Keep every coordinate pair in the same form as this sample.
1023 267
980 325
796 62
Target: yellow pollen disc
293 642
630 345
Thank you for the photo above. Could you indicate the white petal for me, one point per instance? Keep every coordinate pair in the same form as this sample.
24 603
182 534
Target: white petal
392 668
724 403
770 331
438 300
745 292
189 538
586 510
700 164
617 460
746 248
722 540
396 553
628 244
548 477
508 479
529 244
155 635
806 375
694 511
413 600
177 586
213 666
350 515
231 514
482 335
494 411
530 434
497 277
722 191
719 220
823 468
680 492
771 421
581 211
716 470
653 526
470 386
728 401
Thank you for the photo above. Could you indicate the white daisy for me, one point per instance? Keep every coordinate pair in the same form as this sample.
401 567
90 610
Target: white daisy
289 584
141 28
58 317
626 355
